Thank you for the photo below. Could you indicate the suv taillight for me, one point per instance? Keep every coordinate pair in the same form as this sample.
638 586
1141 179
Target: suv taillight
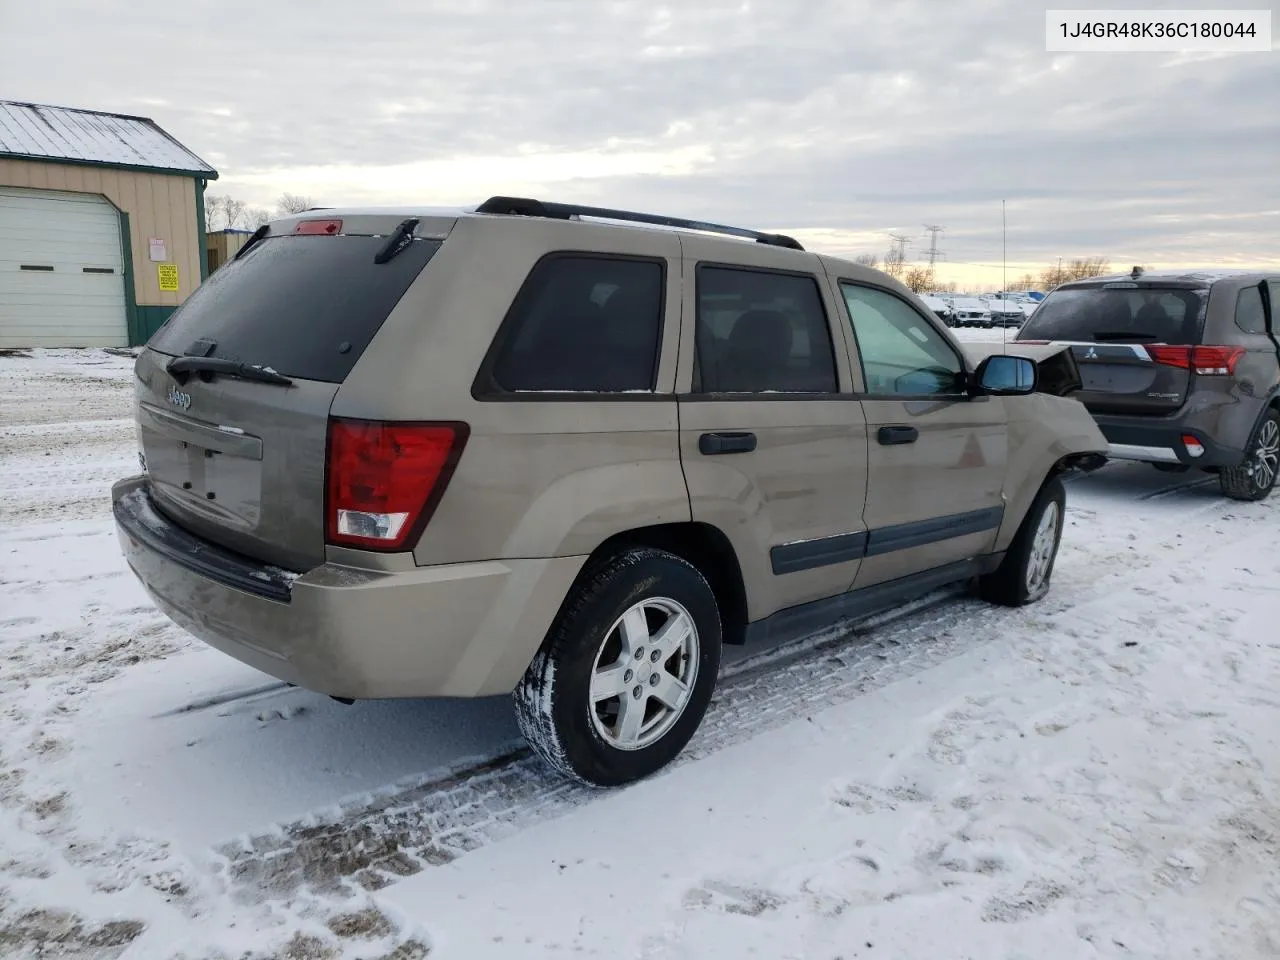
1206 361
385 479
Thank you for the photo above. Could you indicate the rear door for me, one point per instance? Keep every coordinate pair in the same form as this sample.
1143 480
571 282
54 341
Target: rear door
772 438
937 457
1130 340
1273 312
240 461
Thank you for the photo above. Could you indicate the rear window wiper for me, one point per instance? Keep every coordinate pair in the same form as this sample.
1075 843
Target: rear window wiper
400 238
180 368
1102 336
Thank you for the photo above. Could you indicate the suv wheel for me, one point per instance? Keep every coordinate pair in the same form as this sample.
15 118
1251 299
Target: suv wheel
1256 477
1023 575
626 672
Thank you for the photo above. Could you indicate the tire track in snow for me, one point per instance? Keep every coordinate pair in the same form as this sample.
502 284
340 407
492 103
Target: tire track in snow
376 839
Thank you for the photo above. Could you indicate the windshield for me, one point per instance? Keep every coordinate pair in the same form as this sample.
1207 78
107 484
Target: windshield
306 307
1110 314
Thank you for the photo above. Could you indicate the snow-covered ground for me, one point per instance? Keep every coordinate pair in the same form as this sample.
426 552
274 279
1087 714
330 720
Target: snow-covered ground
1094 776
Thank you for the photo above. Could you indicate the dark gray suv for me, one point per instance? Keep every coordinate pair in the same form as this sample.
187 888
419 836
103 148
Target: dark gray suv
1179 369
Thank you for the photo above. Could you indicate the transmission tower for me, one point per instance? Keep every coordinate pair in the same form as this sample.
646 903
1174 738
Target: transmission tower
934 253
899 258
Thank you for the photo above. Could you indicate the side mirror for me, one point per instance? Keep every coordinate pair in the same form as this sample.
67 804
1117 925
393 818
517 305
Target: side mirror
1005 376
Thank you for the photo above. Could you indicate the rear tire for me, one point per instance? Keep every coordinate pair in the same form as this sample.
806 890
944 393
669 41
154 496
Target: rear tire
1023 576
1256 477
611 697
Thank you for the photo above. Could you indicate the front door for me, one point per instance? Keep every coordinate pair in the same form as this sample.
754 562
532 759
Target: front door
772 438
937 456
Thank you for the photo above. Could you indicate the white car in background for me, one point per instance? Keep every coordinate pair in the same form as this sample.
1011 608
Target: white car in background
1006 312
939 307
970 312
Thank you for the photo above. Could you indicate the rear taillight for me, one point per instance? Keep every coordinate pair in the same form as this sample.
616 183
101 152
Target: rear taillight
385 479
323 228
1206 361
1171 356
1193 445
1216 361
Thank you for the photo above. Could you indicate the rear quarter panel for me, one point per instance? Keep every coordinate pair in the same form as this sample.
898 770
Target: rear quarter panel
540 476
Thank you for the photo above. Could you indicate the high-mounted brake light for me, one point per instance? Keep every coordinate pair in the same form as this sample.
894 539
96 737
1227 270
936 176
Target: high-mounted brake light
385 479
323 228
1205 361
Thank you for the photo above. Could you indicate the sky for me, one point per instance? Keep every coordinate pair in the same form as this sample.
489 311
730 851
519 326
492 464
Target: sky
838 121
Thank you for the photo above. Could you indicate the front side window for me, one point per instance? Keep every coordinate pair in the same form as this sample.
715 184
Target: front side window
583 324
901 353
761 332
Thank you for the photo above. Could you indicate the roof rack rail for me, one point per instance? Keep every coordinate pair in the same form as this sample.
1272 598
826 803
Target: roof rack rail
525 207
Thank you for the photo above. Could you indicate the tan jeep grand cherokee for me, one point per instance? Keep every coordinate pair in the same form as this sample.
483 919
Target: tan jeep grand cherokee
551 449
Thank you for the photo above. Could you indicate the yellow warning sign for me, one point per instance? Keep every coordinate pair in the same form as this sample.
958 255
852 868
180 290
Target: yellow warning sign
168 273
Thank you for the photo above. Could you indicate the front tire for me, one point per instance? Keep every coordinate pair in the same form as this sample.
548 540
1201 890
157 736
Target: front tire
1023 576
1256 477
626 672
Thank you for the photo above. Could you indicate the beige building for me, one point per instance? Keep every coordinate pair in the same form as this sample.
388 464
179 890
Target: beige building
222 245
102 229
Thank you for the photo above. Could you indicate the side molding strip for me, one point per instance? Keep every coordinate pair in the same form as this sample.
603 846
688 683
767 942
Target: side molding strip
825 551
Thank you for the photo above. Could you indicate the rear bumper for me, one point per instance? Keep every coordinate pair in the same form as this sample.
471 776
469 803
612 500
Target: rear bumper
456 630
1129 438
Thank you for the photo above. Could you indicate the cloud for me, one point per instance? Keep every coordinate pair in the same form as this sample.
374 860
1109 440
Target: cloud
837 119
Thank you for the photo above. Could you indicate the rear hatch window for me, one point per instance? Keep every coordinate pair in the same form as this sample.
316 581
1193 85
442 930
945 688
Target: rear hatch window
1119 313
306 306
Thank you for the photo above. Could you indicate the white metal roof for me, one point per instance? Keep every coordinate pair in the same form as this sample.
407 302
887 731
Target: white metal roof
85 136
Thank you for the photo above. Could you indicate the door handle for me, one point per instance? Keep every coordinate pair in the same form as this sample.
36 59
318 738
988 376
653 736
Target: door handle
712 444
889 436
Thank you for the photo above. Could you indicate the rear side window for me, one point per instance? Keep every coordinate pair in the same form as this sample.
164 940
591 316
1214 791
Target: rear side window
583 324
1250 316
1118 314
761 332
305 306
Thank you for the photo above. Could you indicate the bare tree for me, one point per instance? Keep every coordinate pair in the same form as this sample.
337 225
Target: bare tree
1077 269
290 203
894 262
867 260
257 217
918 279
1088 267
233 211
223 212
